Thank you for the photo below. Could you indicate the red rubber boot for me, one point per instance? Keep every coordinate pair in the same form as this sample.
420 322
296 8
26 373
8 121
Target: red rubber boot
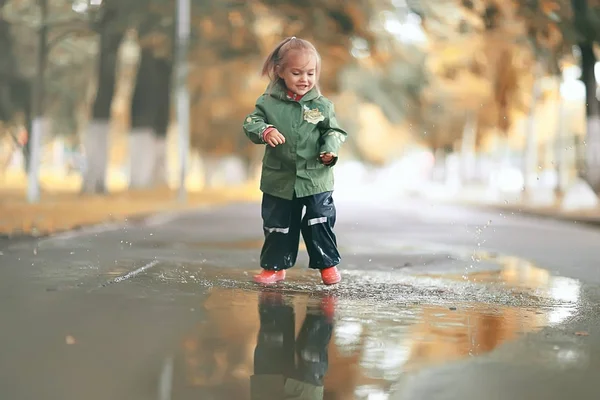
331 276
269 277
328 304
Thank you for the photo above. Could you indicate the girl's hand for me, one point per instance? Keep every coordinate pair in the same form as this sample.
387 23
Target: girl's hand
327 158
274 138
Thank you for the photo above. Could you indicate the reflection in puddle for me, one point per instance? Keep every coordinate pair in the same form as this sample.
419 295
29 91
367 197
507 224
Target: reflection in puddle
285 365
521 275
265 342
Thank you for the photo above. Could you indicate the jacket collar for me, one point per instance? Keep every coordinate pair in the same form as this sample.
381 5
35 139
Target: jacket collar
278 91
293 96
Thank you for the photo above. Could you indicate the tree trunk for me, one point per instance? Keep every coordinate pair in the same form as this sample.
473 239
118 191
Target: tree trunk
501 160
15 91
530 154
159 172
210 168
562 148
252 158
7 70
96 137
439 170
37 126
163 82
181 46
23 92
592 150
143 122
467 148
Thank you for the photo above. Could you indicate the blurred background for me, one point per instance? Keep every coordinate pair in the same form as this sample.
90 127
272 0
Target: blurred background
494 100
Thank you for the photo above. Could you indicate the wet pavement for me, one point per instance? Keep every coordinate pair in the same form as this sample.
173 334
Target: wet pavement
437 302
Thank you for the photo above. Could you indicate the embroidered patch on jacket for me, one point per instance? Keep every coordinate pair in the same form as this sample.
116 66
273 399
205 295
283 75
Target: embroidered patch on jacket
313 116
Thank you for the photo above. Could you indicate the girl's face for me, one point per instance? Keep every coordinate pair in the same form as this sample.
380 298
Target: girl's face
300 71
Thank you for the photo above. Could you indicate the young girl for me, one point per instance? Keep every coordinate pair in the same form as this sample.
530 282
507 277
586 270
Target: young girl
303 138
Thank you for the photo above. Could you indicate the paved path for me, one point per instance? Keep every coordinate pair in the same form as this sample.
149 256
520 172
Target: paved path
438 302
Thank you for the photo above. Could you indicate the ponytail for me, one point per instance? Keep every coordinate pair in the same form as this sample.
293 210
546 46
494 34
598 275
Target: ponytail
274 59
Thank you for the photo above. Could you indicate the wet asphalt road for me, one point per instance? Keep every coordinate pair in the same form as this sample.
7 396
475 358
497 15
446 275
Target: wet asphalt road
437 302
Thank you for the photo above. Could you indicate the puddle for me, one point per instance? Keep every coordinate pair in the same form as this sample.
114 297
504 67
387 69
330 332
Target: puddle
353 341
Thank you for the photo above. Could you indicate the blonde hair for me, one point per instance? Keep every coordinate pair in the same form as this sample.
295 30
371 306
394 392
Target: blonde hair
277 59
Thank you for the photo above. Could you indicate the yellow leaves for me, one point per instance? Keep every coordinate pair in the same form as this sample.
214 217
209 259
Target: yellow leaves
358 17
461 76
489 79
549 6
207 27
453 53
379 144
472 89
550 37
236 18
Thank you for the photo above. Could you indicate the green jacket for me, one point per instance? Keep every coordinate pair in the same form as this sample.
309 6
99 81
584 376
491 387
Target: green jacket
310 129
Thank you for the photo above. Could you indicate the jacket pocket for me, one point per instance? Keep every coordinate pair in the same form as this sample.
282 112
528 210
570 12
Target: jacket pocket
314 164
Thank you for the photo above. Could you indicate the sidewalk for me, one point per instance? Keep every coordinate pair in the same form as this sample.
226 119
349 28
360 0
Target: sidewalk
480 197
66 210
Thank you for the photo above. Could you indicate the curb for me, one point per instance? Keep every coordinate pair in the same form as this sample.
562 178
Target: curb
132 220
148 218
78 229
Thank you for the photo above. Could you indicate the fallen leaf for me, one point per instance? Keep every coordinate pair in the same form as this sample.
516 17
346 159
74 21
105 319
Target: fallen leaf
70 339
582 333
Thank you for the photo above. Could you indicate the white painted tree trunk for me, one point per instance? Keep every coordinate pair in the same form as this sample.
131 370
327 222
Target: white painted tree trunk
142 158
592 138
95 142
210 166
160 161
563 149
530 156
255 166
467 149
438 173
33 183
592 151
501 161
